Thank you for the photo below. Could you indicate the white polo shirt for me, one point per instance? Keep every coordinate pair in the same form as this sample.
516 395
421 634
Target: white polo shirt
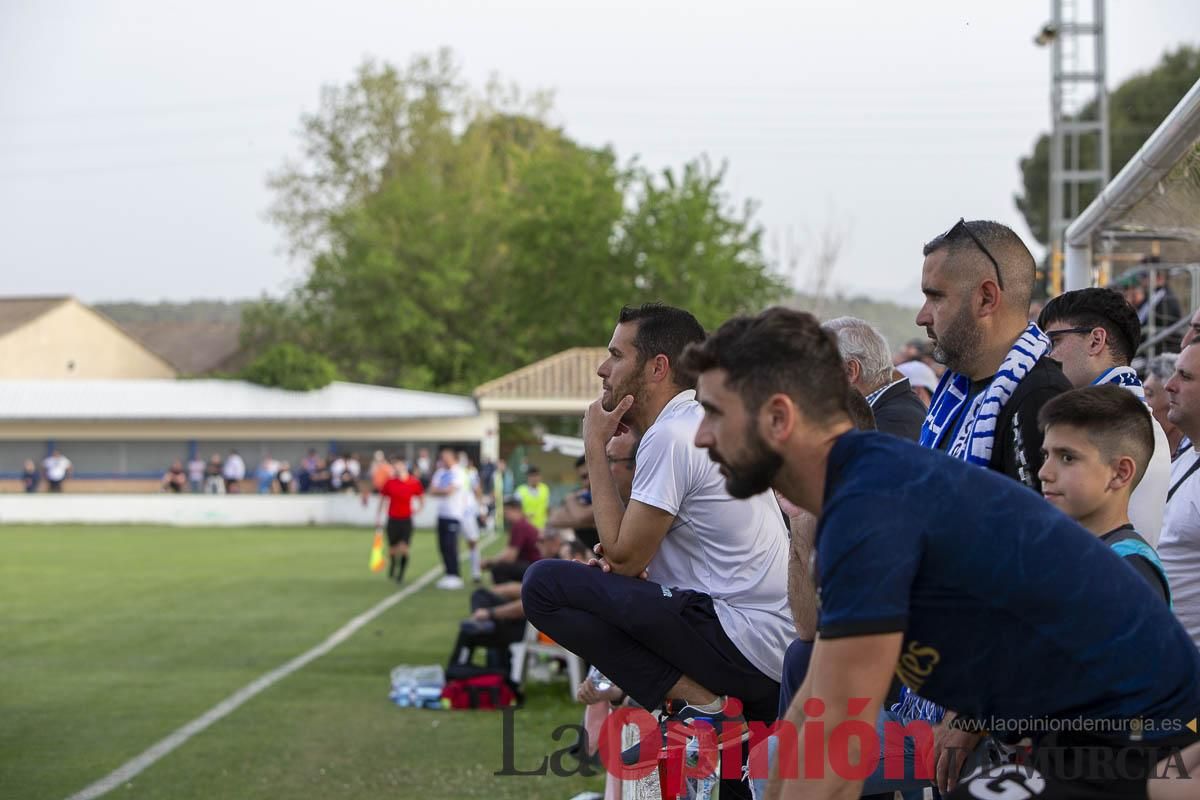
735 551
1179 545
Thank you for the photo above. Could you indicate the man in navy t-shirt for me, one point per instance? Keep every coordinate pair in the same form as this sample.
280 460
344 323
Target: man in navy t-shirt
970 587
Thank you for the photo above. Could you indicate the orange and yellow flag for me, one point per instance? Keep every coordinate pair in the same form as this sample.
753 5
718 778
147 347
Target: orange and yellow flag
377 552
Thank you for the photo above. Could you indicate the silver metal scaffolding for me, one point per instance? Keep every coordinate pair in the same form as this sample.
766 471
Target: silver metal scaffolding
1079 151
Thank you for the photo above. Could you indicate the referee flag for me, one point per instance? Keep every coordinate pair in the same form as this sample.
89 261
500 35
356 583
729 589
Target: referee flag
377 552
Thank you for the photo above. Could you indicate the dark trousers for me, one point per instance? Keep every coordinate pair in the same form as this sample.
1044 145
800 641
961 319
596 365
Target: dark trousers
643 636
507 571
795 667
448 543
495 641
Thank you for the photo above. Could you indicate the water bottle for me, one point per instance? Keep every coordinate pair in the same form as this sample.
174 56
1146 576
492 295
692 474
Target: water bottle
599 682
698 788
417 687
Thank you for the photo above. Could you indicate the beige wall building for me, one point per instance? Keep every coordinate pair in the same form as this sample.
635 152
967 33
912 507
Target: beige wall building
60 338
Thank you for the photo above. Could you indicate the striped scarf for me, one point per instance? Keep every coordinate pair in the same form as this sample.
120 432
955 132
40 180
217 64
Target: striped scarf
973 442
1124 377
976 433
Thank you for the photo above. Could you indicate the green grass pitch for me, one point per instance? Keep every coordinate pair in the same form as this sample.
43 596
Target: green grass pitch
112 638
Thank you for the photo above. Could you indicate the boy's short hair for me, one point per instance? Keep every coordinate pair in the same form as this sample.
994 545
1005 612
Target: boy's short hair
1112 418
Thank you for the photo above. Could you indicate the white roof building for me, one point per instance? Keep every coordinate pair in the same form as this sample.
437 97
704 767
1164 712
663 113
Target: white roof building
220 401
117 428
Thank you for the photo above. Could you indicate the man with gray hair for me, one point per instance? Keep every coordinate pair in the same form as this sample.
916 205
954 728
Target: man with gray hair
868 362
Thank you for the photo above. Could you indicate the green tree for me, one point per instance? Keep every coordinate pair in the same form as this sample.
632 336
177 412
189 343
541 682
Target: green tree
454 236
686 245
1135 109
288 366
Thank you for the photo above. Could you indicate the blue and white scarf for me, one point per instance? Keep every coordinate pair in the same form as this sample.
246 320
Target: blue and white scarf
973 442
1124 377
976 432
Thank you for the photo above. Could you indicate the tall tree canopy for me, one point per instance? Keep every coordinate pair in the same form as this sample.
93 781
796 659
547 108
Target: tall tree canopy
453 236
1135 109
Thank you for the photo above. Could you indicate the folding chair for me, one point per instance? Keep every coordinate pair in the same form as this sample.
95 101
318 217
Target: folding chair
534 644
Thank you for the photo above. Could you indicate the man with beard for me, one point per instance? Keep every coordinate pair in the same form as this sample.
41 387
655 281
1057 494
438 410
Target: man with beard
977 280
710 625
972 589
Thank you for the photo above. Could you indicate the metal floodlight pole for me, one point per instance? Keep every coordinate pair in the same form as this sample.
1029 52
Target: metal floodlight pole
1079 145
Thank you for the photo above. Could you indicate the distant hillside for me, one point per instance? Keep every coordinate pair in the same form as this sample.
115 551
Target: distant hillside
193 311
894 321
202 336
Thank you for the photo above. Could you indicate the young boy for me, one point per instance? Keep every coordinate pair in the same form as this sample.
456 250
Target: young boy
1098 441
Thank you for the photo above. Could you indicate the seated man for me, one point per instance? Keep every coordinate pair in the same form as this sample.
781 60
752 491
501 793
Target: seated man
988 601
1098 443
712 621
522 550
174 479
497 614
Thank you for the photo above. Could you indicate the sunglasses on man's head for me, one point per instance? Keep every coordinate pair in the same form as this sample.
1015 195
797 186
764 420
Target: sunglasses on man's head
962 223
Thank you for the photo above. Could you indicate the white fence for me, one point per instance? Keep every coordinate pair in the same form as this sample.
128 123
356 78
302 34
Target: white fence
196 510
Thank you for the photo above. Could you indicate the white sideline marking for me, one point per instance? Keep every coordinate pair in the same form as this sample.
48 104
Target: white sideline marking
140 763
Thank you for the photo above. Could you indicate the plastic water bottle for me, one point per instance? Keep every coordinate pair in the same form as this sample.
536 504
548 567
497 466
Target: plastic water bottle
601 683
698 788
417 687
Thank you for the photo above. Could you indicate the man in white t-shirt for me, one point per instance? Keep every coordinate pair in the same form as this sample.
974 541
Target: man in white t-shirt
1094 334
234 471
1179 545
449 485
711 623
470 515
57 469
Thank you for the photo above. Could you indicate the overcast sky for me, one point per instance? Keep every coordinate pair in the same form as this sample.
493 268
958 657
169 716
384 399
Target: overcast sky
135 136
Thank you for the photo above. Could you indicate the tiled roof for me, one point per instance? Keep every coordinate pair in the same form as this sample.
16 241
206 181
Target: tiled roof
569 375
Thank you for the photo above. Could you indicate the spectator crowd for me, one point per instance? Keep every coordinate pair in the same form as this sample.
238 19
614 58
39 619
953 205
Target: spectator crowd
994 533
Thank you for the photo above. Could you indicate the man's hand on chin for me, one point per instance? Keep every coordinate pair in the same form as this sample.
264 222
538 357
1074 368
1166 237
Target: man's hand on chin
599 425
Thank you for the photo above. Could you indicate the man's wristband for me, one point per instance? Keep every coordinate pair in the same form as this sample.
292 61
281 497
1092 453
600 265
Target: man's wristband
491 613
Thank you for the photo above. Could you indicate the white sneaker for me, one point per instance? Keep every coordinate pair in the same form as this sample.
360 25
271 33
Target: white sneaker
449 582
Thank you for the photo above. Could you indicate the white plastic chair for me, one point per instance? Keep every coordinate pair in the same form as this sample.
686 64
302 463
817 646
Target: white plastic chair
530 647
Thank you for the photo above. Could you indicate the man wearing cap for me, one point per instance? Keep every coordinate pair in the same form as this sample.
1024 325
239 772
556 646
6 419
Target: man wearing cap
922 379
